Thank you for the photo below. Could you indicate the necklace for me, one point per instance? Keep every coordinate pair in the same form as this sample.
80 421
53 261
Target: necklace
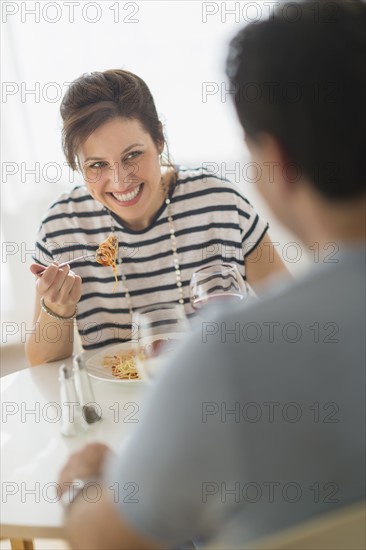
173 243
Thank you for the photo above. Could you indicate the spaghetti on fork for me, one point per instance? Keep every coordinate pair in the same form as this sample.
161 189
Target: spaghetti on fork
107 255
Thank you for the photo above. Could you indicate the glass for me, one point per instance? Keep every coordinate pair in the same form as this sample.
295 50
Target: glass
218 284
72 423
156 330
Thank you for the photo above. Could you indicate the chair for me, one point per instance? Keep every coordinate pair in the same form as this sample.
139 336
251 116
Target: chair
343 529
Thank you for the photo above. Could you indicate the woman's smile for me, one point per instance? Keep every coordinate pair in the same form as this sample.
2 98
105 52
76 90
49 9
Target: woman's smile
129 198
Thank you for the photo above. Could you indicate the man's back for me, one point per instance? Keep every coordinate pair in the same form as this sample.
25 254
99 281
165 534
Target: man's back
261 422
303 437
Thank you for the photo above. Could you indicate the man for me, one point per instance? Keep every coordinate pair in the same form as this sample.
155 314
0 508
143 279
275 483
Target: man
259 423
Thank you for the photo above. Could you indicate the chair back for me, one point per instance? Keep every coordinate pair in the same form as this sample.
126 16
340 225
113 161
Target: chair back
343 529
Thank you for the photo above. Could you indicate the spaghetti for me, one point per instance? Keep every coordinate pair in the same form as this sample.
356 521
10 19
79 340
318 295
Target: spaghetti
107 255
122 365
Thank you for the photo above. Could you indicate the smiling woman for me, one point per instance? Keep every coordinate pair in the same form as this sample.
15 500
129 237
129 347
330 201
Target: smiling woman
127 180
168 221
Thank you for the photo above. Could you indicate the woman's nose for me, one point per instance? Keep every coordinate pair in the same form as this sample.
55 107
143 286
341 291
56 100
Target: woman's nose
124 174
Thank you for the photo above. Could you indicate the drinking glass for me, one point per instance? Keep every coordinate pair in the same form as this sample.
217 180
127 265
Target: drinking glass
218 284
156 331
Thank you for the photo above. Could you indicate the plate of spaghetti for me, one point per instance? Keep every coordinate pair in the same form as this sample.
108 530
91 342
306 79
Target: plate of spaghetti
115 364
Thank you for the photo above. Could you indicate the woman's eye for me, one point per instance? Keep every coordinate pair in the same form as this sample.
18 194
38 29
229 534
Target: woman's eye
133 155
97 165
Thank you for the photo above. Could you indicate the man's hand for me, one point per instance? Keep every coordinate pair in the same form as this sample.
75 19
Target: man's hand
84 464
97 525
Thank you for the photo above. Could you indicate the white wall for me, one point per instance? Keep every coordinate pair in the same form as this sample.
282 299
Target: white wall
177 47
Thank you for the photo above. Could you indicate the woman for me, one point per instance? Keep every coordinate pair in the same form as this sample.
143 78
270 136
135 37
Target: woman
168 221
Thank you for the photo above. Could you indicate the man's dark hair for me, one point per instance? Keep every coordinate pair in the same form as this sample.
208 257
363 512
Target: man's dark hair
300 76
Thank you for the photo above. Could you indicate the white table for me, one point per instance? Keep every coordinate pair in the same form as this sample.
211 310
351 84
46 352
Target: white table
33 449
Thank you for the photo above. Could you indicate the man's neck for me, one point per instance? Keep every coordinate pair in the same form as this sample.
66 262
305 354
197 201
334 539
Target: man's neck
340 222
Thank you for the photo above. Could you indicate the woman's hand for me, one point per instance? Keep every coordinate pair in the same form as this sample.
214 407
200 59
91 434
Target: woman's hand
59 286
60 290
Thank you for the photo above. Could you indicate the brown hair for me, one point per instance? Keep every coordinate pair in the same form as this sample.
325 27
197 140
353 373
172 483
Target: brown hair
93 99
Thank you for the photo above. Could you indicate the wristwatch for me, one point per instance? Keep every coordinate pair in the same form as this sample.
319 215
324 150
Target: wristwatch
78 487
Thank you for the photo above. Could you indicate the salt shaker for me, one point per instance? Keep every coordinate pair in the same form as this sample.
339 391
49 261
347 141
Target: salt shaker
72 421
84 391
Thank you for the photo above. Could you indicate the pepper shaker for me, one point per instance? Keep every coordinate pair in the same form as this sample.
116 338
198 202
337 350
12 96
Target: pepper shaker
84 391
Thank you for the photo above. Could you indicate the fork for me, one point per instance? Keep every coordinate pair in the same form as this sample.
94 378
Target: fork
85 257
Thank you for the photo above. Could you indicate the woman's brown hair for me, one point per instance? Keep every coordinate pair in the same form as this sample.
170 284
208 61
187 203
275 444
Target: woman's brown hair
93 99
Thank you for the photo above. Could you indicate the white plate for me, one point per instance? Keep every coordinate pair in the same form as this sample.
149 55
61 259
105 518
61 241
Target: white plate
95 364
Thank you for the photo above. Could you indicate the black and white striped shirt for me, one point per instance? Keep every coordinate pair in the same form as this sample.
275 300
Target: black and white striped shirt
213 223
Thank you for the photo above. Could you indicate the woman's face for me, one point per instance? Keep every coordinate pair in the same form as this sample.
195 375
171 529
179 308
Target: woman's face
120 164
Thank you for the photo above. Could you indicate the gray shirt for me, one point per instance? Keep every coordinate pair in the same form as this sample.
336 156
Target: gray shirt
259 421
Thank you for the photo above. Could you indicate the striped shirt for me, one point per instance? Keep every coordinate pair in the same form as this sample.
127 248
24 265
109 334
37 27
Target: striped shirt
213 223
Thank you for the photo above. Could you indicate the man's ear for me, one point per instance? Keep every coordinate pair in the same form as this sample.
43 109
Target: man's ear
273 158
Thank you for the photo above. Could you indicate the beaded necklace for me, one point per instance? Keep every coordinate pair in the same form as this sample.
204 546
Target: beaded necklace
173 242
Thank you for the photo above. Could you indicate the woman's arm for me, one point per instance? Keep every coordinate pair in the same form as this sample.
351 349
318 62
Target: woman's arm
262 263
52 339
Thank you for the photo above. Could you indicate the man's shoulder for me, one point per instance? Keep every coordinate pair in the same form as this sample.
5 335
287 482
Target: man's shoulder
327 291
321 315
